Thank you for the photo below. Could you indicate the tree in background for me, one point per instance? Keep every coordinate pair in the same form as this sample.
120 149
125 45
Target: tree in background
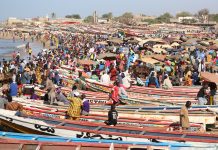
126 18
108 16
165 18
74 16
89 19
150 21
203 15
213 17
183 14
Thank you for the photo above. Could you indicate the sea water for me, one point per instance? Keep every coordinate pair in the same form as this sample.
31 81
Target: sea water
7 47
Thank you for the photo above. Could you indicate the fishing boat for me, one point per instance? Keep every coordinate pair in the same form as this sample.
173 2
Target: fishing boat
12 144
40 138
165 124
175 92
133 98
89 130
131 112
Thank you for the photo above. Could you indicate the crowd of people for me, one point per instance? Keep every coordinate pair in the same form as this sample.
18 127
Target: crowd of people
66 49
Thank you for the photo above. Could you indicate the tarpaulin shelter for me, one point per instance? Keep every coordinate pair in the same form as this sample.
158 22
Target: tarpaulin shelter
107 56
149 60
209 77
116 40
159 50
86 62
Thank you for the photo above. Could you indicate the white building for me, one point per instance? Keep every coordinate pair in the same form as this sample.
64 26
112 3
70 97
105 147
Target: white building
181 19
12 20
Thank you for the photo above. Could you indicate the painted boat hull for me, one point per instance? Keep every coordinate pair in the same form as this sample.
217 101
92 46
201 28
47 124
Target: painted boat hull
94 131
29 138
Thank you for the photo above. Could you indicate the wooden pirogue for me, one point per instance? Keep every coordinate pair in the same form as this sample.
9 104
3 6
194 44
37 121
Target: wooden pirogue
176 92
166 124
80 129
202 117
12 144
28 138
134 98
145 145
97 86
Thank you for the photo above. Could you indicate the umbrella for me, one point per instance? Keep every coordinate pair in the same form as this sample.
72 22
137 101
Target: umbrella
162 46
149 60
159 50
86 62
200 47
116 40
102 43
210 77
133 41
204 43
151 41
107 56
177 41
213 47
190 42
174 44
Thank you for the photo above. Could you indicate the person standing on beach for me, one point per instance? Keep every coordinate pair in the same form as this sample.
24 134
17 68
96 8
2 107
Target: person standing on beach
184 119
13 39
202 93
112 116
74 109
14 55
18 57
13 88
51 88
30 52
85 105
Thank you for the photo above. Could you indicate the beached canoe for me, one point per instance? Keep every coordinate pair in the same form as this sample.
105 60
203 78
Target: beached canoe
134 98
40 138
94 131
166 124
198 117
12 144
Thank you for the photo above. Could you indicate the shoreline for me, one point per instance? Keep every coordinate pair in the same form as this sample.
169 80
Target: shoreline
21 47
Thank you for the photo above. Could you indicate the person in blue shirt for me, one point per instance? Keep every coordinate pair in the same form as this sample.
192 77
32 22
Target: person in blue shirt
130 60
101 66
56 78
152 81
13 88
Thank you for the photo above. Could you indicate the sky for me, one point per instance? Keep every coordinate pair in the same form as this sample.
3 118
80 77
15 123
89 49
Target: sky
34 8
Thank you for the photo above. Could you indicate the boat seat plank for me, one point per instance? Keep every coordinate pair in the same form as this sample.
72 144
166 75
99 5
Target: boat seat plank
183 136
61 124
57 147
38 147
142 133
31 147
20 147
98 128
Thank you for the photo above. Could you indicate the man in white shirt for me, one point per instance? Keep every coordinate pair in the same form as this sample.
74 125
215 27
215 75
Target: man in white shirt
105 79
126 80
167 83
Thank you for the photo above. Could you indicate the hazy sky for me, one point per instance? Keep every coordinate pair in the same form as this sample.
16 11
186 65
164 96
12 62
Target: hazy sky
33 8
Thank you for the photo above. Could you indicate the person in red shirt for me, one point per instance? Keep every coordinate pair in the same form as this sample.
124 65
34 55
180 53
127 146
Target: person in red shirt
115 93
14 55
113 73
